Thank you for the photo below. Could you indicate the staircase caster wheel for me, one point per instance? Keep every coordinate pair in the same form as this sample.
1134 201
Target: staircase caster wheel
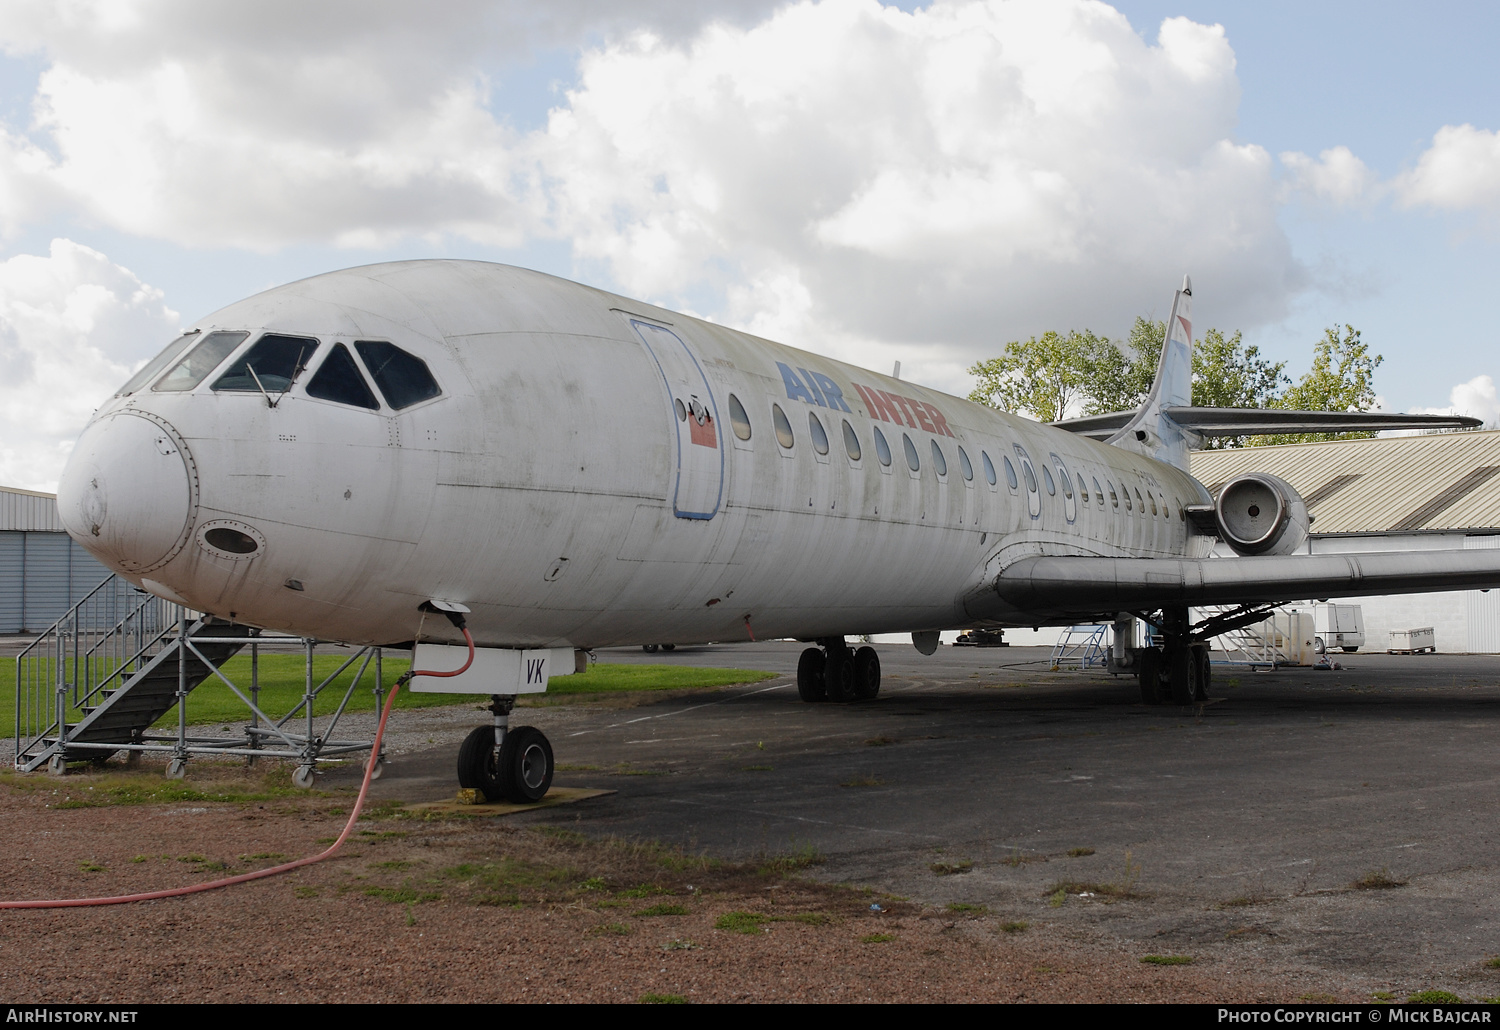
303 777
669 647
649 648
176 768
379 769
57 765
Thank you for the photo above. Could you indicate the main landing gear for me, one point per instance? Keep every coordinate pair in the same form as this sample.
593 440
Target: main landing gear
506 764
831 672
1178 672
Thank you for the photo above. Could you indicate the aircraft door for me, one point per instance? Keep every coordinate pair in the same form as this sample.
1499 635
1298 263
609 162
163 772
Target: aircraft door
699 482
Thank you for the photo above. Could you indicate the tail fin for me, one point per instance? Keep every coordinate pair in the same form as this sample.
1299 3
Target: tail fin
1150 432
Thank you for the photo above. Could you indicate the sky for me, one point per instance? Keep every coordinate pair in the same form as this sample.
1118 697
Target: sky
908 182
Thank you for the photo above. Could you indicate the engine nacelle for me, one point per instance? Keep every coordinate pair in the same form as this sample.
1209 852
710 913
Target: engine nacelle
1261 514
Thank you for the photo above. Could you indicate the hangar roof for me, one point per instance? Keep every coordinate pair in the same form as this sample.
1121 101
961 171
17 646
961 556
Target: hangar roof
28 510
1402 484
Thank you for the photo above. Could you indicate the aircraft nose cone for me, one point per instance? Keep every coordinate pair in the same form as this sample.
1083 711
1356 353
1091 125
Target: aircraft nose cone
129 492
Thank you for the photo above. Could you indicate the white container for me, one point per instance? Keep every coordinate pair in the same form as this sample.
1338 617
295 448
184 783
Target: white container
1412 641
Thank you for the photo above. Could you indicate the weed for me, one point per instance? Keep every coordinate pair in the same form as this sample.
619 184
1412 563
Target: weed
394 864
1015 926
259 856
498 900
1080 852
951 868
1168 960
644 890
1058 897
740 922
1383 996
562 835
879 741
961 906
780 865
1434 998
305 892
403 895
1317 999
681 944
877 938
90 867
629 769
864 781
140 858
1377 880
1116 890
609 930
664 910
192 858
1492 963
593 883
1016 859
662 999
571 767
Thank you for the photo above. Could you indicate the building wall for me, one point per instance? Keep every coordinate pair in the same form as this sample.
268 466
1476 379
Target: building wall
42 575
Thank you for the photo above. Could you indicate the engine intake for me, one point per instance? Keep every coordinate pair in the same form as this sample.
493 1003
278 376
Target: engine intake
1261 514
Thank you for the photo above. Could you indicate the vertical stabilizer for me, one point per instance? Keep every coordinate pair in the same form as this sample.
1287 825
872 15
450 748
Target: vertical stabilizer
1151 432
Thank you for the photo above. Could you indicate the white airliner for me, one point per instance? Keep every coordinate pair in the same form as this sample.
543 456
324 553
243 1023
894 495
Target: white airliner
344 456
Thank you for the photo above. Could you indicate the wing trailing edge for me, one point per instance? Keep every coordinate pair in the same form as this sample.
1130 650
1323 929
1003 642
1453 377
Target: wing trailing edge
1079 588
1208 422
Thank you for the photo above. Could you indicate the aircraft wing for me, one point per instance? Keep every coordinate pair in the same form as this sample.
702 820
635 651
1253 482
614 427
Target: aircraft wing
1263 421
1085 586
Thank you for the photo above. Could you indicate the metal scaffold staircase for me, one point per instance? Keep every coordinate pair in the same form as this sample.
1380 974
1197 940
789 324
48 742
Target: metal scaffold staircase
1258 645
103 675
1082 647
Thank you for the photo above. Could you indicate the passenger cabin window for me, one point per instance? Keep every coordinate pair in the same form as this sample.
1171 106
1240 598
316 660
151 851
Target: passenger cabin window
819 435
938 461
968 469
1098 492
403 378
1067 484
151 369
1083 490
851 441
1154 512
681 409
1051 486
882 449
1114 498
272 365
339 380
1010 474
914 462
783 427
738 419
989 468
1140 503
200 361
1030 475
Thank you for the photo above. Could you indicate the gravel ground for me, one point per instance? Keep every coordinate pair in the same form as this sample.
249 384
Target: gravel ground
481 910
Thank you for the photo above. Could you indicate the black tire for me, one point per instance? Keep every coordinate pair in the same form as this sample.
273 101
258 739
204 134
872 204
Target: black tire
477 768
669 647
526 766
1148 670
838 676
1202 672
649 648
1350 650
810 686
866 674
1180 675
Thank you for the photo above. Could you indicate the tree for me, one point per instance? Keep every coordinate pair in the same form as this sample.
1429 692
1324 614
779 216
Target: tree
1122 378
1341 379
1227 374
1043 377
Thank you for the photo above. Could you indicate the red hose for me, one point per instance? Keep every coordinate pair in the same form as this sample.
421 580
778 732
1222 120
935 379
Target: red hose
260 874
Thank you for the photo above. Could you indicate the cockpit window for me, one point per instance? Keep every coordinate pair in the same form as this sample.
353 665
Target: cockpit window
272 365
200 361
402 377
151 369
339 380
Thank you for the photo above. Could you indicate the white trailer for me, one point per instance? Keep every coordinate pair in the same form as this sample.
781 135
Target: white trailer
1338 625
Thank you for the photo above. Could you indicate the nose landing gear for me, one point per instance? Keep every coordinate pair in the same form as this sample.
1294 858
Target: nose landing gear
832 672
504 764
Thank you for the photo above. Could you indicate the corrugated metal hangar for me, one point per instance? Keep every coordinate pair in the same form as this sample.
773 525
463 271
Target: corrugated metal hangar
43 572
1409 493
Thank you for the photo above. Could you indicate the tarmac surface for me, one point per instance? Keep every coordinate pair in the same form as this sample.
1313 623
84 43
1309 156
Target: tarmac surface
1341 823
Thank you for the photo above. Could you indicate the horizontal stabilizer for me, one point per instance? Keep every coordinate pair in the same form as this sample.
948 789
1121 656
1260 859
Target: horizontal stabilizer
1264 421
1086 586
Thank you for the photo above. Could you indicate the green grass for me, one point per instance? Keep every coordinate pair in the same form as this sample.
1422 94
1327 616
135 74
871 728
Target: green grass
283 680
740 922
877 938
1434 998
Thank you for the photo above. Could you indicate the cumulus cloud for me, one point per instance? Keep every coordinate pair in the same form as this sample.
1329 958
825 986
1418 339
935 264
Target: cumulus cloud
1477 398
73 326
949 177
1460 171
1335 177
859 179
